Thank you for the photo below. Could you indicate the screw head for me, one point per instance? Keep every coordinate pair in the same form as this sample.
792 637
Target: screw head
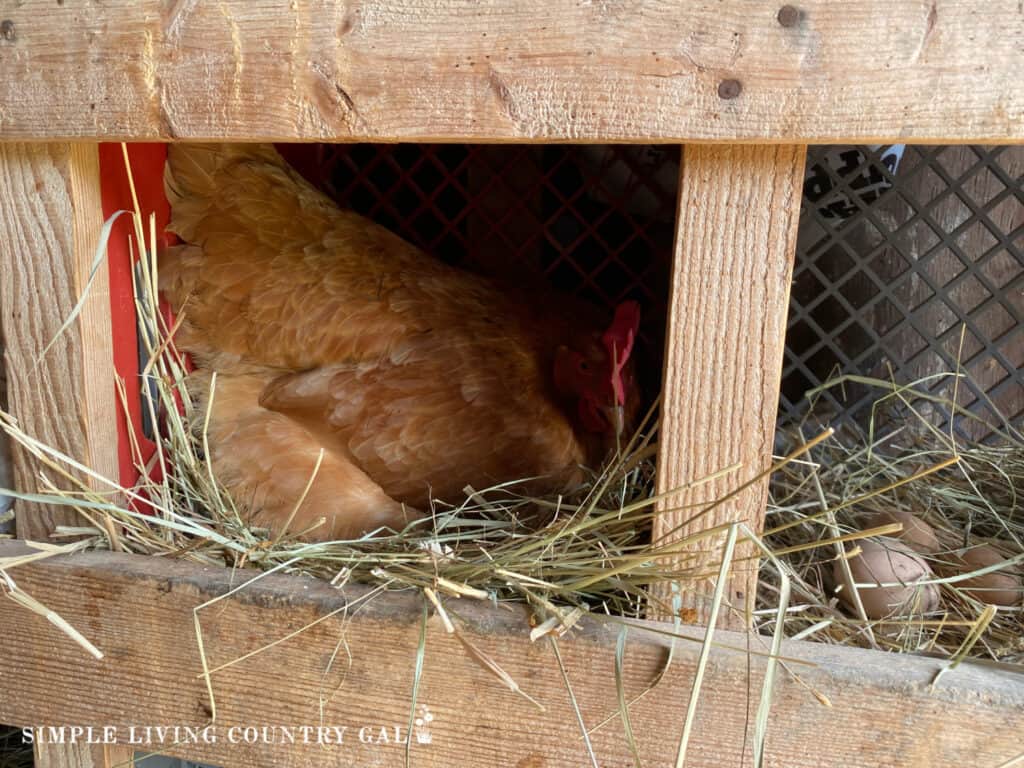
729 89
789 16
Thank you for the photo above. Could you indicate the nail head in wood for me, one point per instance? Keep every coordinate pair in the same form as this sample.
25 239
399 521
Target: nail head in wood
729 89
789 16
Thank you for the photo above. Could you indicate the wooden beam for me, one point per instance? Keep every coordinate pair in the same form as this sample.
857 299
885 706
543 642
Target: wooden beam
82 756
737 223
354 669
869 71
50 222
49 230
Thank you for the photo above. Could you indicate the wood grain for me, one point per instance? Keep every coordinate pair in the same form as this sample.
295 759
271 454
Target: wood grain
79 756
737 221
66 756
139 611
870 71
50 221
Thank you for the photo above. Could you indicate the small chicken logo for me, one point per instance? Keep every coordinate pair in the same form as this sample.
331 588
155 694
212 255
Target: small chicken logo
421 726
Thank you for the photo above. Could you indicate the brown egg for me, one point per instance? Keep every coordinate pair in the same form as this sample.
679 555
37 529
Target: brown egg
887 561
1001 587
916 533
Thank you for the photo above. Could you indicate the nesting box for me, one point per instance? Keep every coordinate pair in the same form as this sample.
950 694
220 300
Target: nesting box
737 89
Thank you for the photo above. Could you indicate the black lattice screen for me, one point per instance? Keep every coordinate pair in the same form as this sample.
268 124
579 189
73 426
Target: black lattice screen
891 287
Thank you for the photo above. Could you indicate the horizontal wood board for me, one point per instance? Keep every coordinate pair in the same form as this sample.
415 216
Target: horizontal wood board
139 611
493 70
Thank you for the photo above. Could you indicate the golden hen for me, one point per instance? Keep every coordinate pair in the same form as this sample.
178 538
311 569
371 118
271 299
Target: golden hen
331 334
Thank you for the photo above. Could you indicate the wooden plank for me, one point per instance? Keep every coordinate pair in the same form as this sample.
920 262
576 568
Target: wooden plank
737 222
50 221
117 756
139 611
66 756
6 464
78 756
869 71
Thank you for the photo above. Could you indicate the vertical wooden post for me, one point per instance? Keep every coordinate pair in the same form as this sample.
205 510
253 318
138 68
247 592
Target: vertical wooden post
83 756
736 235
50 222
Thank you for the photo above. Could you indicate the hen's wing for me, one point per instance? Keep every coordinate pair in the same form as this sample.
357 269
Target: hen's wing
266 460
440 419
411 373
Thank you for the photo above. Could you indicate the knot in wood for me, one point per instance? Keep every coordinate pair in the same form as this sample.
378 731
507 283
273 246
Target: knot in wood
7 30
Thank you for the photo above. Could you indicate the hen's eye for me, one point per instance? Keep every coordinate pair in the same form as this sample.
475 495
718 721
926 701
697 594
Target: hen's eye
584 366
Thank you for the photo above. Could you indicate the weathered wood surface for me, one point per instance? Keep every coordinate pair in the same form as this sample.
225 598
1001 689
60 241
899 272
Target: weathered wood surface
737 222
6 463
72 755
139 612
738 70
50 222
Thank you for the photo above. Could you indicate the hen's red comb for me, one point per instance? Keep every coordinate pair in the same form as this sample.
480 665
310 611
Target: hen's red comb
618 342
